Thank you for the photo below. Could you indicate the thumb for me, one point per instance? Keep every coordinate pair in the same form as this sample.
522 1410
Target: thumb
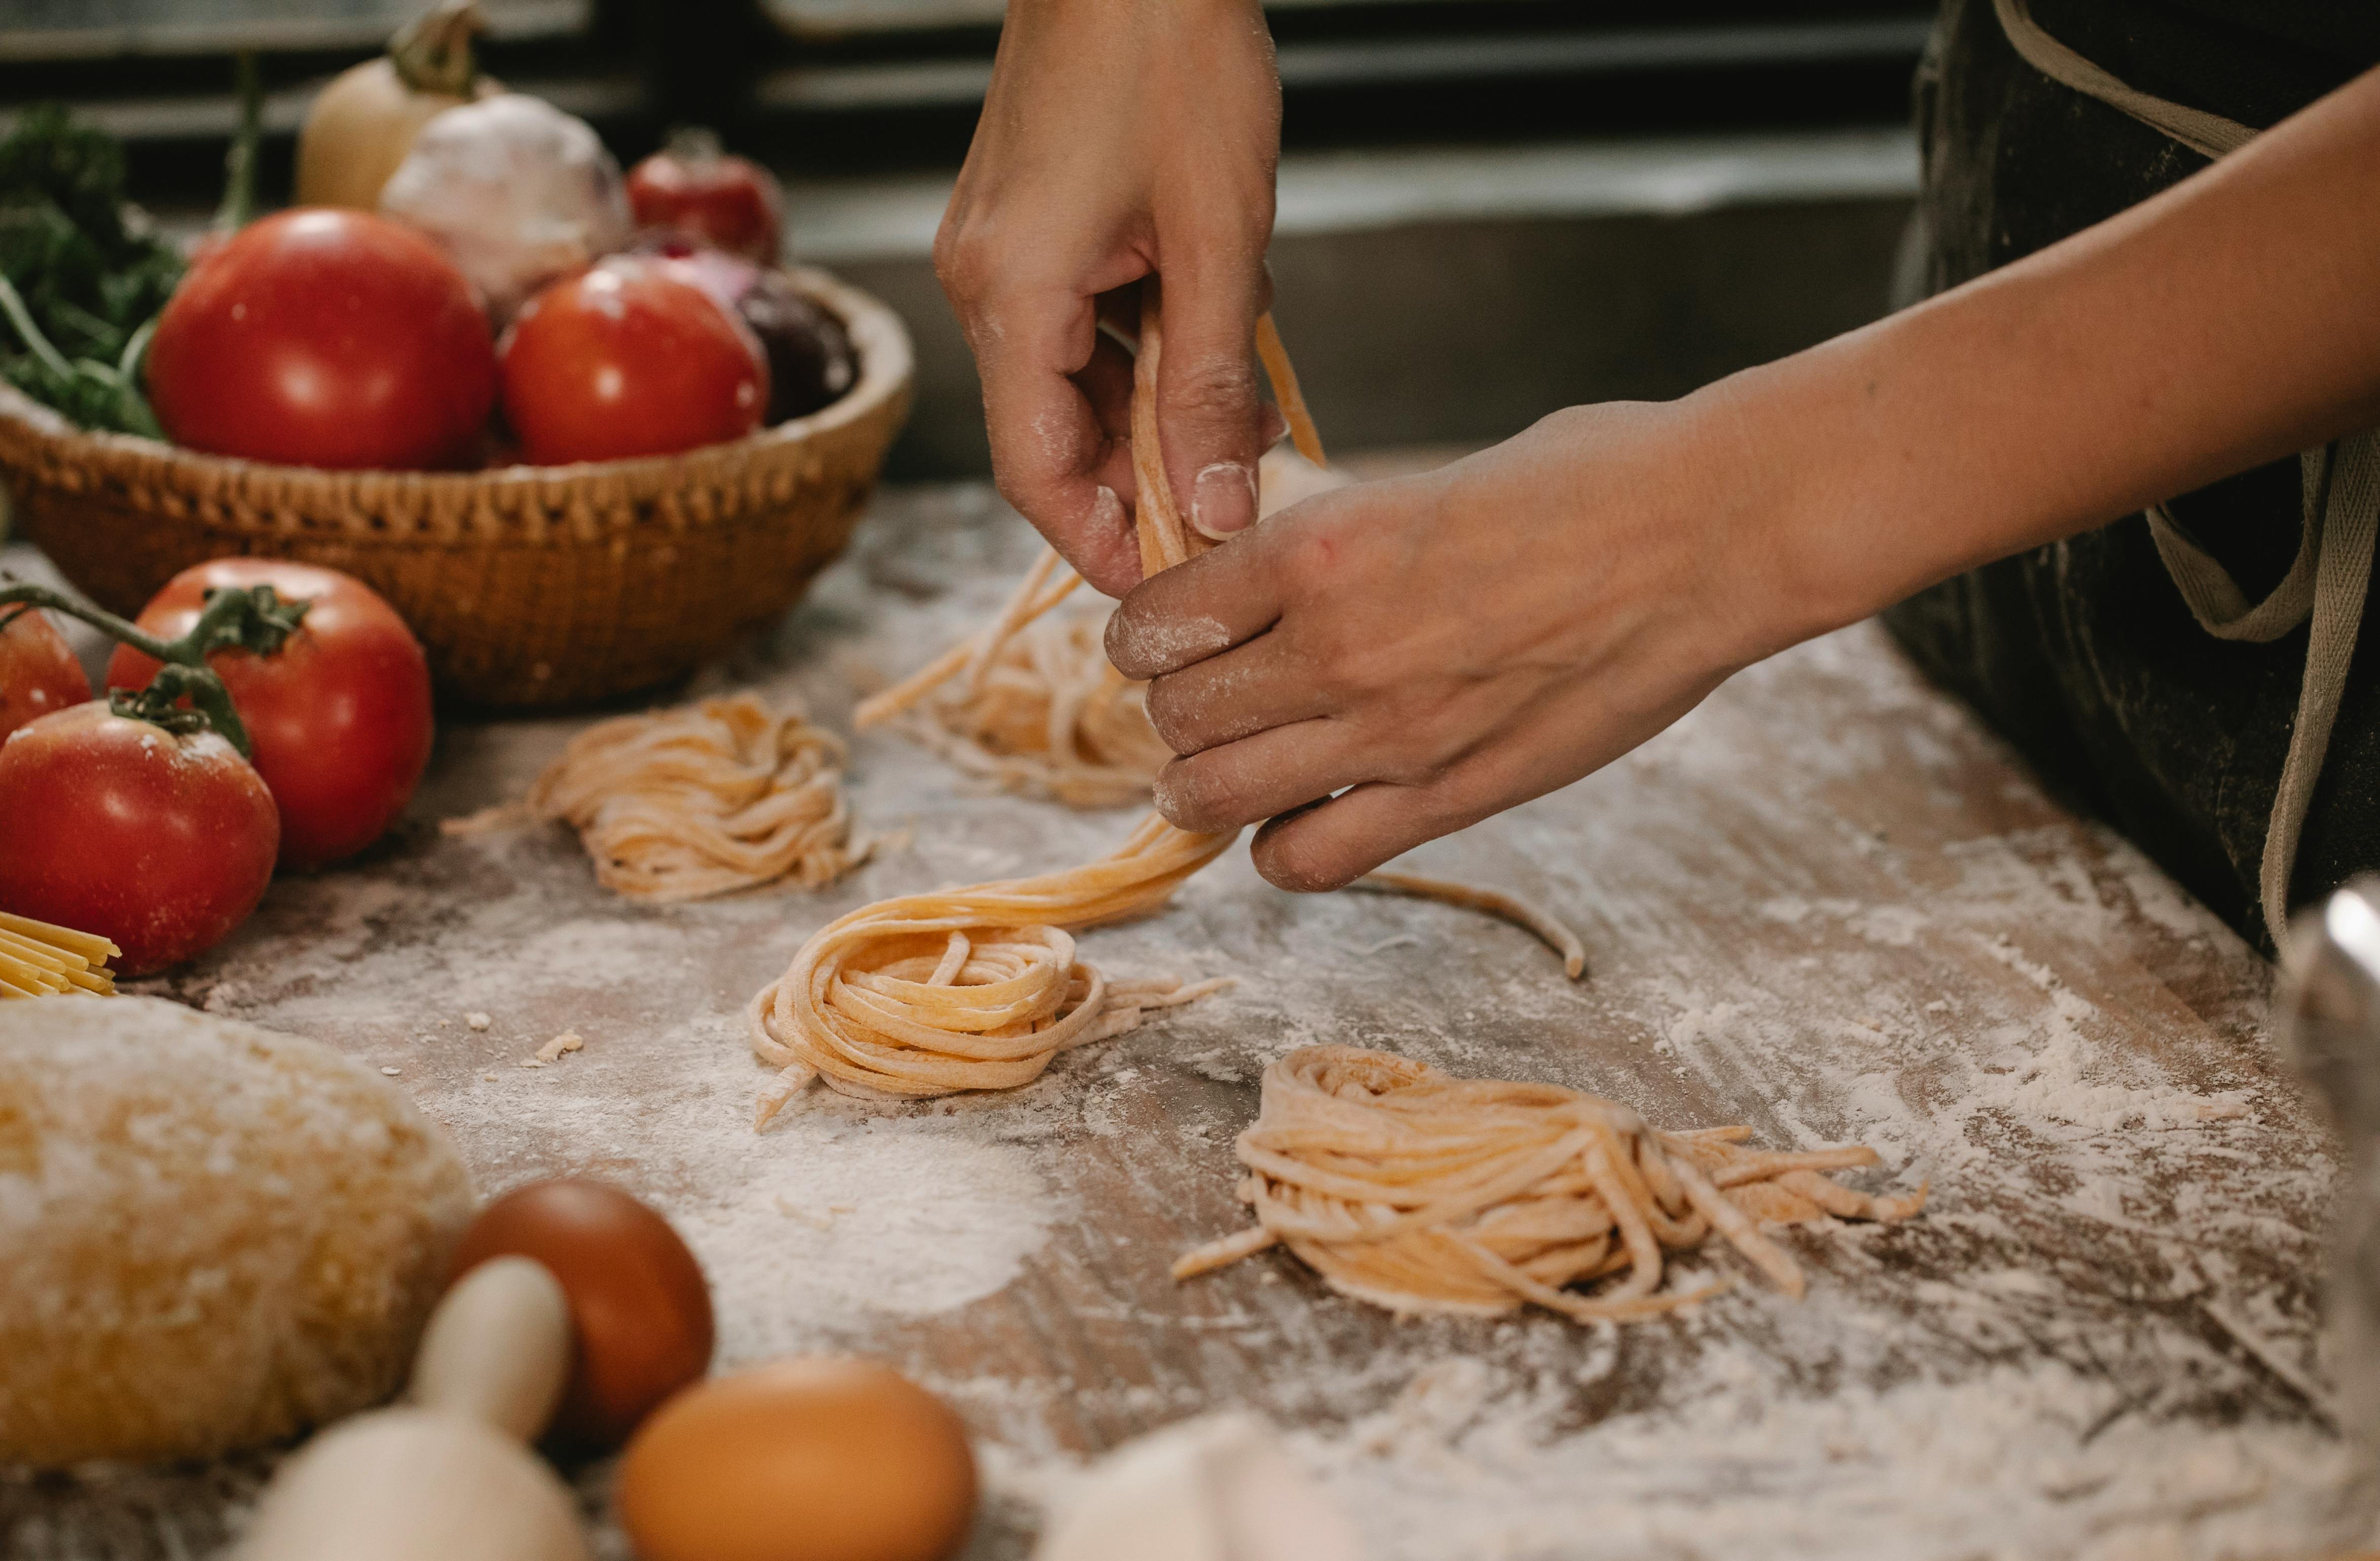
1206 405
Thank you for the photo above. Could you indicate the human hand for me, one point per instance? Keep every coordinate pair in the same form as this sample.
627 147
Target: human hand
1120 138
1435 649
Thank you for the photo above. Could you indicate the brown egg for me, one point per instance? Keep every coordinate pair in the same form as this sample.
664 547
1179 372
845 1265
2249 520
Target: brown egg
817 1458
639 1310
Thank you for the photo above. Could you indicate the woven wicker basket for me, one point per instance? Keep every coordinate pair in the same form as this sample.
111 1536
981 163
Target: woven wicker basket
528 586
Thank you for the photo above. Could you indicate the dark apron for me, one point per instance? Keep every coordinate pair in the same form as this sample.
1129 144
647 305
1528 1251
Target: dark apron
2193 674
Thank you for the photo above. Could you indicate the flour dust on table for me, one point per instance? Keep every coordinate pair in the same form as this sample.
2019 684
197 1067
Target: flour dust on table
1825 907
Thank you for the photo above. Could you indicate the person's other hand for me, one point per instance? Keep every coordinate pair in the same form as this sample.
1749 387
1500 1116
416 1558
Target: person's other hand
1389 662
1120 138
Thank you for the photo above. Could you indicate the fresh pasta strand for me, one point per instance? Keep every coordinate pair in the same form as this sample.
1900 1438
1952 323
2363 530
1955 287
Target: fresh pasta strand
1031 703
706 798
968 989
1422 1192
42 959
1493 902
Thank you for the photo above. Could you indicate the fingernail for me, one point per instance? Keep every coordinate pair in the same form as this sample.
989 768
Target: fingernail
1223 501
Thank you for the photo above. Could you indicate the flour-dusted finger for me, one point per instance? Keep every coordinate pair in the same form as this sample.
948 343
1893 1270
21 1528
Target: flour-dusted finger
1260 777
1195 610
1051 455
1254 686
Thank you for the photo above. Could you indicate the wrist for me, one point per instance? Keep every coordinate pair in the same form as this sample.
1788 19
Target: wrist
1762 479
1845 489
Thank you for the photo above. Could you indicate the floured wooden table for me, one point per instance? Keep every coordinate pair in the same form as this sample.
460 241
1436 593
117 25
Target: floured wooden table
1825 905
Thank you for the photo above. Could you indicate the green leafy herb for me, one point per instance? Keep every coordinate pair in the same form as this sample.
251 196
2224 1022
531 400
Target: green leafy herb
84 275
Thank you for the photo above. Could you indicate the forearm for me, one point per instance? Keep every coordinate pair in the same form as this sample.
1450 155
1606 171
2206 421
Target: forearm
2230 321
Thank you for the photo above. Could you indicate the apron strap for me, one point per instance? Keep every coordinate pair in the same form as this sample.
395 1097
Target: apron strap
2332 573
2209 135
2342 578
2215 598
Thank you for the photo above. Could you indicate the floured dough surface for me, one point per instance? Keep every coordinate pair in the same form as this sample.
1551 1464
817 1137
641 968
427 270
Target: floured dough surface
215 1235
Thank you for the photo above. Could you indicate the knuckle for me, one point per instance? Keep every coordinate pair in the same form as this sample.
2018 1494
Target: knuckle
1190 796
1124 646
1116 640
960 273
1312 556
1130 646
963 261
1211 387
1020 488
1174 710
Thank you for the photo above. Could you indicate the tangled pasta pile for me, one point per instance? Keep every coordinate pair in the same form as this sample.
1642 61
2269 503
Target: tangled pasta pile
1031 703
968 989
1422 1192
703 799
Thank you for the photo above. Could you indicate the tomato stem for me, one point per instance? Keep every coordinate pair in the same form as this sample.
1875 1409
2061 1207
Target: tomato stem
254 618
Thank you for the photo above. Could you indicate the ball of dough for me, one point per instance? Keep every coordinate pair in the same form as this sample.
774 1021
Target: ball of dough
215 1236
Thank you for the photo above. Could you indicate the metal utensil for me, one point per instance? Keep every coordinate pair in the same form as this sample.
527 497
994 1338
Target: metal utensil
2331 1032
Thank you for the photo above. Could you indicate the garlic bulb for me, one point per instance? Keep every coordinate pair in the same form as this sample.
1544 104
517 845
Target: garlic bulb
516 191
1219 1488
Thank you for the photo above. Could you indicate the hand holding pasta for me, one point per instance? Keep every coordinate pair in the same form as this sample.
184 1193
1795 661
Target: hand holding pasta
978 989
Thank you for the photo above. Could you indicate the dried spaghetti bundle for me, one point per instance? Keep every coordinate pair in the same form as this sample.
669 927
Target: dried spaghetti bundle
42 959
1421 1192
1031 703
968 989
704 799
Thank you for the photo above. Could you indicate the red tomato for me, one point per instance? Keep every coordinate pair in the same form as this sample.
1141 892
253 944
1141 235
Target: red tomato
114 827
626 360
322 337
339 718
37 672
693 188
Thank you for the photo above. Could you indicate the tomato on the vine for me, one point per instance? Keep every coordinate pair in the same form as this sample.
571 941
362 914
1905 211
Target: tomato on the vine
627 359
38 670
325 337
162 842
339 716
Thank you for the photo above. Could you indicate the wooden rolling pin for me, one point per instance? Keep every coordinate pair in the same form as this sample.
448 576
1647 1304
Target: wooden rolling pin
448 1476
